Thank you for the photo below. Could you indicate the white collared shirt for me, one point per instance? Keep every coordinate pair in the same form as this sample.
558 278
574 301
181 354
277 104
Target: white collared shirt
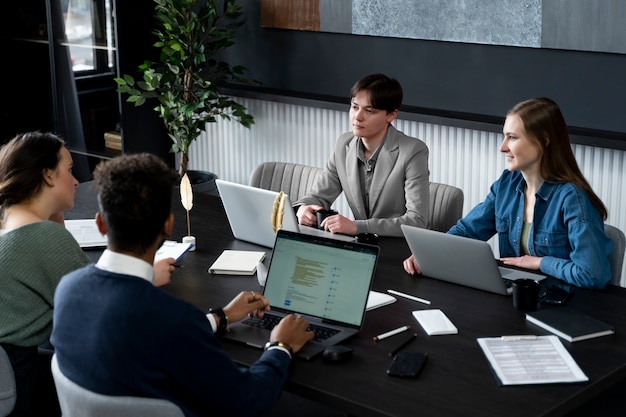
119 263
129 265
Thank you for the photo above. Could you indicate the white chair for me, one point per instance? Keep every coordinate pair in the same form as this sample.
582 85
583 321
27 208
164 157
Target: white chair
77 401
616 260
8 392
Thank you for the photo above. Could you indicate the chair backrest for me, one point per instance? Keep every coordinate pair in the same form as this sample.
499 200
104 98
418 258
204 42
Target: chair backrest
446 206
7 384
617 256
446 201
77 401
293 179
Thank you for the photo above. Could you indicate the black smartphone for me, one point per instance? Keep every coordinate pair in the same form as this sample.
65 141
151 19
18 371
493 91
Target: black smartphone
558 293
407 364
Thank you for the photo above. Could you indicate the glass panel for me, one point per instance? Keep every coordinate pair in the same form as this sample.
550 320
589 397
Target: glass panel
89 30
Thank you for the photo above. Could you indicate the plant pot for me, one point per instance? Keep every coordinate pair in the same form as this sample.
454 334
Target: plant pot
203 182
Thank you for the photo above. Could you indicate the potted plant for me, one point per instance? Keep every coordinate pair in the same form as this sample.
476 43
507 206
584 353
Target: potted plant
185 82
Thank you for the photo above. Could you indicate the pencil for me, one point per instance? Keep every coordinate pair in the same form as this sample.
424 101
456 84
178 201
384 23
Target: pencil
391 333
403 344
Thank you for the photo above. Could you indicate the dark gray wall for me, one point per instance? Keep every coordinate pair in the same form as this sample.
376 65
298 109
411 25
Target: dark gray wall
584 25
472 82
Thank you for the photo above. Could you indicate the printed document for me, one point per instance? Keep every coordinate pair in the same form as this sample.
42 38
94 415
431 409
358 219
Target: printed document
520 360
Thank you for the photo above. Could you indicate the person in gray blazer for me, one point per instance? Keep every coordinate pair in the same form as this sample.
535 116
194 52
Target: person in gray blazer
382 172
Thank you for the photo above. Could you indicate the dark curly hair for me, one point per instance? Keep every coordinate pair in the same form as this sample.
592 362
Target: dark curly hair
135 198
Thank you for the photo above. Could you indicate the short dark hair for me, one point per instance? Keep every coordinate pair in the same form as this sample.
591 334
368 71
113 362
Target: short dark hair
135 198
22 162
385 93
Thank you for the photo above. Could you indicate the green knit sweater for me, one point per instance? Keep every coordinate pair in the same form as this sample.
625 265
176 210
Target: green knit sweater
33 258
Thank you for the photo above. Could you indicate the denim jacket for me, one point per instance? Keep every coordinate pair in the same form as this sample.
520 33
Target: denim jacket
567 231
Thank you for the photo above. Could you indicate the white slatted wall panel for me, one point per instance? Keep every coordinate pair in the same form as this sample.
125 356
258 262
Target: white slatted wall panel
468 159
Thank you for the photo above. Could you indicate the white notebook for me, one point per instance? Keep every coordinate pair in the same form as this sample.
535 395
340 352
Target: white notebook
237 262
434 322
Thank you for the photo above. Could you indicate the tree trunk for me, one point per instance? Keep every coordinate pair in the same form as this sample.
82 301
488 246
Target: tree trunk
184 161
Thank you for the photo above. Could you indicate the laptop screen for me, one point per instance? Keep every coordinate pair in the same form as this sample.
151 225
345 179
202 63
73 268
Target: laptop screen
320 277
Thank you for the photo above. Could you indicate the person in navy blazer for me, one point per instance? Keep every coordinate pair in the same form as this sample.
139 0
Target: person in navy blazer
115 333
382 172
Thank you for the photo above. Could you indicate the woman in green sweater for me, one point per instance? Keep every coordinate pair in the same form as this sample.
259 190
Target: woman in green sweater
36 187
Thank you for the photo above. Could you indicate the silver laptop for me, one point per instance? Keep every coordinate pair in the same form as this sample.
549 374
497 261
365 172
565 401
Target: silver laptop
461 260
326 281
249 211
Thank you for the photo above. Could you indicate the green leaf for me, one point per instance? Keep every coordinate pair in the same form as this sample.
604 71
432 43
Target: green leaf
189 35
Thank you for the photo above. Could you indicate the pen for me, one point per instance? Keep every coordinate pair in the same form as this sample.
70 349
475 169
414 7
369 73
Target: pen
391 333
403 344
410 297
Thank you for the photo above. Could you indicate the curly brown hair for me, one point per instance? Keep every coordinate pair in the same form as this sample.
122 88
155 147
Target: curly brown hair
135 198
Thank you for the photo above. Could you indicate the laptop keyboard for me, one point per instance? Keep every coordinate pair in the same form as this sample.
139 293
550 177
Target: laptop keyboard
270 320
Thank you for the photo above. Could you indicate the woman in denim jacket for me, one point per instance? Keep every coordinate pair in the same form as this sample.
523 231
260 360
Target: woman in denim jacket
545 213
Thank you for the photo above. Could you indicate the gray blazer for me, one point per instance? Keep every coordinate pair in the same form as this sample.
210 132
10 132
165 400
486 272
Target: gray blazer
399 193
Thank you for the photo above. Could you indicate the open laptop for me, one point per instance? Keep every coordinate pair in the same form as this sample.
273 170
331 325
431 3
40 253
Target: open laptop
461 260
326 281
249 211
86 233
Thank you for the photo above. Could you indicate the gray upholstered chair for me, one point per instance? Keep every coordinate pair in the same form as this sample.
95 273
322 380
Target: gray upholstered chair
8 393
293 179
617 256
446 206
77 401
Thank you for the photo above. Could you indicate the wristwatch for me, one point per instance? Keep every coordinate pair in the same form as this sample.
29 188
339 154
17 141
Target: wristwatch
279 344
223 325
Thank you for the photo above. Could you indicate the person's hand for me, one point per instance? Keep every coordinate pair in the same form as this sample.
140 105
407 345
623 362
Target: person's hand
292 330
339 224
526 261
163 269
246 303
306 215
411 266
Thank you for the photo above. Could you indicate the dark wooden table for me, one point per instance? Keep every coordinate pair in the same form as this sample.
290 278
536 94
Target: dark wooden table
456 381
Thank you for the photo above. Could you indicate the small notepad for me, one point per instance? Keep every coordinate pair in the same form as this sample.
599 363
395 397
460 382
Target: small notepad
237 262
434 322
378 299
172 249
